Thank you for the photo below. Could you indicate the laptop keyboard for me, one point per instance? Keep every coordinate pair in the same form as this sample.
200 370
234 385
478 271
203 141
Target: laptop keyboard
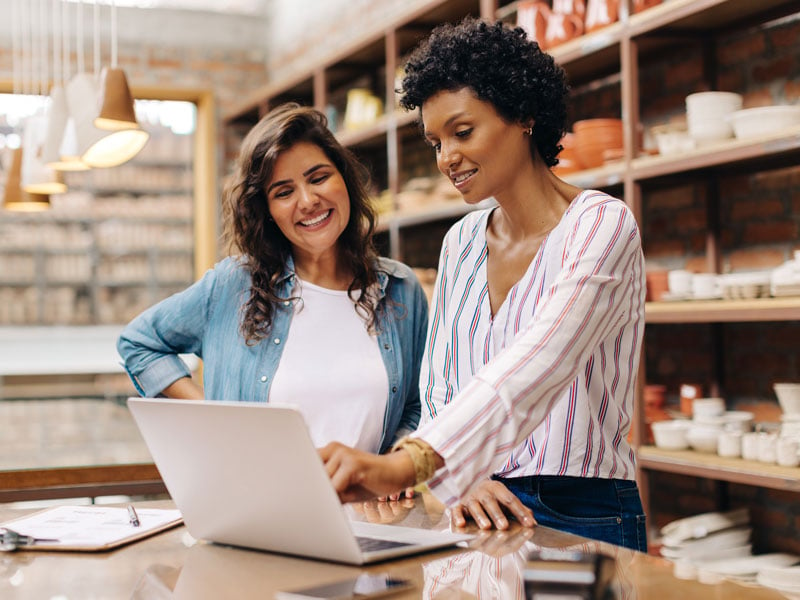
372 544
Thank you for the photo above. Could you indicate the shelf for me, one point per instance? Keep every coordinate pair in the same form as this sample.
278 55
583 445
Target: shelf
768 150
376 131
600 177
723 311
590 55
452 209
699 15
143 283
154 250
711 466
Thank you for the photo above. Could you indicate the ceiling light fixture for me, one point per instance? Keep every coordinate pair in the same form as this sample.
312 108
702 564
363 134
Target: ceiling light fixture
117 114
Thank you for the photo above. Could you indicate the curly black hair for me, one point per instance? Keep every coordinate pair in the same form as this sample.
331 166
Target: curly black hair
503 67
249 230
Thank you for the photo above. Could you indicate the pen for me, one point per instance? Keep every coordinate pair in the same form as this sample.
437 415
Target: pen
134 518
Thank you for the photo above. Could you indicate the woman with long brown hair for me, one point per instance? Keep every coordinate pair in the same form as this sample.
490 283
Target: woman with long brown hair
304 311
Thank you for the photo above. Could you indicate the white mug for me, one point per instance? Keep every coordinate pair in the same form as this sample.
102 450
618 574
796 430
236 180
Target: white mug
786 452
768 447
705 285
679 282
750 445
729 444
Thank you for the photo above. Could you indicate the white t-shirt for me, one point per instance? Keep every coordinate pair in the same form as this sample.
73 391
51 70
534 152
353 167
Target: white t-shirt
332 370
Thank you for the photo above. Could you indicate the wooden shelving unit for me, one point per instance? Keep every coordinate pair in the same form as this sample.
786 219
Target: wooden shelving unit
609 56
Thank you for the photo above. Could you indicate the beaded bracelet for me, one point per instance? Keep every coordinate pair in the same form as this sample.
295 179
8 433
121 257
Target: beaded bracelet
422 456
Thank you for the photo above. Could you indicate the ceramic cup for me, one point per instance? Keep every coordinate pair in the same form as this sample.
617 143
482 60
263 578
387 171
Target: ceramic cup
767 447
750 445
680 282
729 444
786 452
705 285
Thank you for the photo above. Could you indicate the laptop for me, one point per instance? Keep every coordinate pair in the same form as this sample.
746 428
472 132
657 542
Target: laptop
247 474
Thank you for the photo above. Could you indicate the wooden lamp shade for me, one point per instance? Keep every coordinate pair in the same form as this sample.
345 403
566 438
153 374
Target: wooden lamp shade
117 110
16 199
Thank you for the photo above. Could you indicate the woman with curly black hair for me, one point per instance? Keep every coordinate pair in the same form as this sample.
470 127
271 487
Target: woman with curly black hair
533 347
304 311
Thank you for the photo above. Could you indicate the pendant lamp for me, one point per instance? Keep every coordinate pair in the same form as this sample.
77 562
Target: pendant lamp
60 146
98 147
118 116
37 178
14 198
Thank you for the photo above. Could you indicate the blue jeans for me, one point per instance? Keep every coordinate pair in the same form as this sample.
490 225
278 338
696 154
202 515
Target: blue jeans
609 510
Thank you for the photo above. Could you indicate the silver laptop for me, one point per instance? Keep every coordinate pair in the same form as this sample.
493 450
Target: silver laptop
248 474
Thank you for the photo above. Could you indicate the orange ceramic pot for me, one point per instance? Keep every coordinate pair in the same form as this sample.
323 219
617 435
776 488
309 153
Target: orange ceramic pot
532 16
595 136
600 13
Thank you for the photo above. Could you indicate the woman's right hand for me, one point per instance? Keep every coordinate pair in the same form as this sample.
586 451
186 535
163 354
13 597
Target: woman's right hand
358 475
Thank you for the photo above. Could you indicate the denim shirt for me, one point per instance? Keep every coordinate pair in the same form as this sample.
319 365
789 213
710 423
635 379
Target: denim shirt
204 320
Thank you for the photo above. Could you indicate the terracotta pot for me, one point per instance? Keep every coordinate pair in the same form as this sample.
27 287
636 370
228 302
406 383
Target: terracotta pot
595 136
689 392
640 5
654 395
562 28
600 13
570 7
657 285
532 16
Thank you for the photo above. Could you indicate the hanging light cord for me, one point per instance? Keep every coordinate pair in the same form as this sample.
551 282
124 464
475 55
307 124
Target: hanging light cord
113 34
96 22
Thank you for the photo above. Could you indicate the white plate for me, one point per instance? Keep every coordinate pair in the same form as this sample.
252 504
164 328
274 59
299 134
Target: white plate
784 577
701 525
749 566
715 542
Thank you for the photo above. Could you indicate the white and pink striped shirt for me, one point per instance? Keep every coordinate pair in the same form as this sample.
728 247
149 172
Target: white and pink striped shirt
546 386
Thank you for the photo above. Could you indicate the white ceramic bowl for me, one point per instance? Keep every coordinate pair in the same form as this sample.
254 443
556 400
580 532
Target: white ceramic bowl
674 142
711 102
708 407
671 435
764 120
703 438
738 420
788 397
707 115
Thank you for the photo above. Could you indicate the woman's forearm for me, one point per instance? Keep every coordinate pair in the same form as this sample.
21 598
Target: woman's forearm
184 389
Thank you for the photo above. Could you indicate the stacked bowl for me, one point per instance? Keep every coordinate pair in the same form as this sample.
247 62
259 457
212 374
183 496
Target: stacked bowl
593 137
707 114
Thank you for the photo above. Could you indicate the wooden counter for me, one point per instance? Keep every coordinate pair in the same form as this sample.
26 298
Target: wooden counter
174 565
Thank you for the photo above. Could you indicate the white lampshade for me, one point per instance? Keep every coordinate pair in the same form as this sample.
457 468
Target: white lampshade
37 178
68 157
82 102
57 114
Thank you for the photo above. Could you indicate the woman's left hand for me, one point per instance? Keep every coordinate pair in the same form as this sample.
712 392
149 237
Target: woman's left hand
488 506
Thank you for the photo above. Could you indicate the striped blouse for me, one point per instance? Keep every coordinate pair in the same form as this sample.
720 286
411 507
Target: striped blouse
546 386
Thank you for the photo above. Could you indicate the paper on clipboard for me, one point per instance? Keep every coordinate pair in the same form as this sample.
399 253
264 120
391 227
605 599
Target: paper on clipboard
91 528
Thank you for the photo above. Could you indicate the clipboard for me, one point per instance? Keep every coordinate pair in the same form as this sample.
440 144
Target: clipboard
90 528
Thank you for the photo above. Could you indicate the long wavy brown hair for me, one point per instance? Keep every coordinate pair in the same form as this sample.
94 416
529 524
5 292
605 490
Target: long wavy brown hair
249 230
